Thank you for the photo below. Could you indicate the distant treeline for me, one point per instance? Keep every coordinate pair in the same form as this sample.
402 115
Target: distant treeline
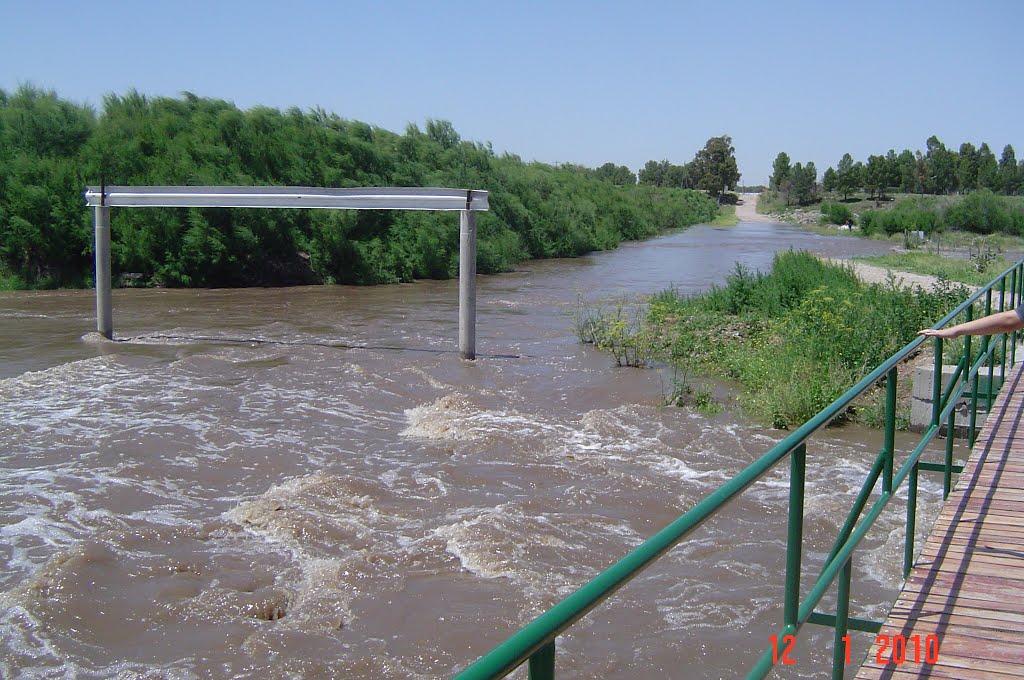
50 149
937 170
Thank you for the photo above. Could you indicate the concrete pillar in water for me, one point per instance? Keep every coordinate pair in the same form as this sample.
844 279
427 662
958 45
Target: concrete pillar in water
104 304
467 284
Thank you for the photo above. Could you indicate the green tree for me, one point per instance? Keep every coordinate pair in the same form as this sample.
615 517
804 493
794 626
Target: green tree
805 178
1008 176
907 171
942 167
781 169
988 169
921 171
678 176
847 176
967 167
876 176
892 169
829 180
714 166
619 175
443 132
653 173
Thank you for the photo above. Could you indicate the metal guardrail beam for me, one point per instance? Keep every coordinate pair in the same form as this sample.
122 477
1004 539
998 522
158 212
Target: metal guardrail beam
466 201
364 198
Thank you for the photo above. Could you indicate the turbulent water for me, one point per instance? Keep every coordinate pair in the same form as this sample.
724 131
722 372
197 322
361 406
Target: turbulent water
308 482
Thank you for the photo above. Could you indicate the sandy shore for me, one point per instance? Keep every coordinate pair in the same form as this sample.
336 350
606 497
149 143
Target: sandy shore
871 274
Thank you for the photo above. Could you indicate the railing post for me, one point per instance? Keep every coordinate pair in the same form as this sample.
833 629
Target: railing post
104 303
542 663
968 364
937 382
794 540
908 547
1003 340
986 345
890 429
947 472
467 283
839 646
1016 280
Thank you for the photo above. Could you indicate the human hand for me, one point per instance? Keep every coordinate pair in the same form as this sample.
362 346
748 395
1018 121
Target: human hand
937 332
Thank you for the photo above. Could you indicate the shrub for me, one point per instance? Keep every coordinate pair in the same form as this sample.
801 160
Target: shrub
836 213
627 332
906 216
982 212
796 338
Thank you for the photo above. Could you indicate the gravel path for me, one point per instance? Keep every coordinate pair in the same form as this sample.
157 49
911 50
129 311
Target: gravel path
746 211
871 274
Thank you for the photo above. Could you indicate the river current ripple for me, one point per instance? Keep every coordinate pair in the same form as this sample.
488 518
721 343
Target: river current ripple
308 482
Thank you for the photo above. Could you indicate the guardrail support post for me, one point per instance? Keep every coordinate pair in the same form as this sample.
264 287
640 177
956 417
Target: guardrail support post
467 284
104 303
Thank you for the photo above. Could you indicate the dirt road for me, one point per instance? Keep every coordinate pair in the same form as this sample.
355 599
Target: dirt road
746 210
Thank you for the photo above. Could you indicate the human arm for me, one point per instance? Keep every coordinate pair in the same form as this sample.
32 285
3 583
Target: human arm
1000 322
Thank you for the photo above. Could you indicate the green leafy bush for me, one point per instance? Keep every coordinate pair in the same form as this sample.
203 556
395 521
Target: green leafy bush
798 337
906 216
982 212
836 213
51 149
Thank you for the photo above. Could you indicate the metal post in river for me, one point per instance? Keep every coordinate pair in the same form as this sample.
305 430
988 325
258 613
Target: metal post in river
104 305
466 201
467 283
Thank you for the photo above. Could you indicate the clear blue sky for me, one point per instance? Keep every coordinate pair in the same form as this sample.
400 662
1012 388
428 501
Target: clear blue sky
568 82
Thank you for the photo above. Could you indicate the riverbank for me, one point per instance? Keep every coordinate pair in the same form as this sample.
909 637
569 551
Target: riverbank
794 338
746 211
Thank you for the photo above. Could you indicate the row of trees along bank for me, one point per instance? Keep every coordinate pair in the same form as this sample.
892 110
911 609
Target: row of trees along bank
937 170
50 149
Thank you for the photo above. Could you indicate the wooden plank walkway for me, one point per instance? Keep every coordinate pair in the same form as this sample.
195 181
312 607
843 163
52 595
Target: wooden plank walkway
967 588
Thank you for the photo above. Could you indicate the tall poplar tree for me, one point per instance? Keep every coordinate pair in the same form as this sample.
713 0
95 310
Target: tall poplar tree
1008 176
715 166
988 169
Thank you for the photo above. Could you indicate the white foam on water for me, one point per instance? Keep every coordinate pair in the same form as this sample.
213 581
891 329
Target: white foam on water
541 555
26 645
370 515
452 417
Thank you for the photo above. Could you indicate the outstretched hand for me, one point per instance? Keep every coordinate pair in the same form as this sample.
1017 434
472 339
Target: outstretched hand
937 332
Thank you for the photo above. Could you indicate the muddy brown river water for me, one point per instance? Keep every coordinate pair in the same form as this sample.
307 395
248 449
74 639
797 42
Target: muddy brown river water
308 482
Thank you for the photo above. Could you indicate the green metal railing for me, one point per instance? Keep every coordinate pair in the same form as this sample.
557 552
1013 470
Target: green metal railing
536 641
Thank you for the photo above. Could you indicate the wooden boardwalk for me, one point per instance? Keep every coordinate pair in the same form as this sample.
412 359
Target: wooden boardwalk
967 588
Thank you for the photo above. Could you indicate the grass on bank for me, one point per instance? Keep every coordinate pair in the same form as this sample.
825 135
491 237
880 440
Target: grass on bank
10 281
726 217
793 340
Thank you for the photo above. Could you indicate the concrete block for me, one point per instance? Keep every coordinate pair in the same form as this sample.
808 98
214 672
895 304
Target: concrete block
923 381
